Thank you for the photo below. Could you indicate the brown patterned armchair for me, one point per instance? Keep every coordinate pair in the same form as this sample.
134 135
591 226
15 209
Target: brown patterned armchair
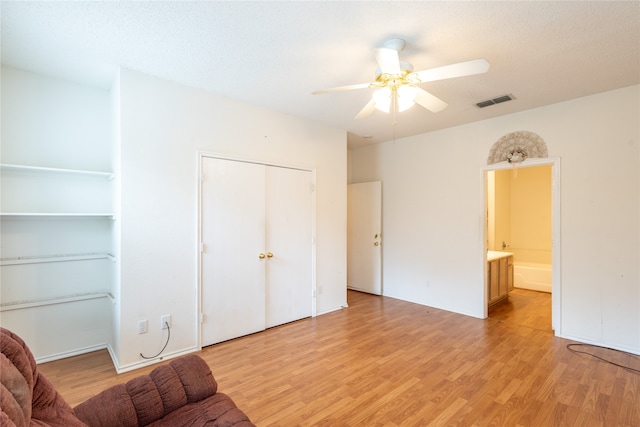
180 393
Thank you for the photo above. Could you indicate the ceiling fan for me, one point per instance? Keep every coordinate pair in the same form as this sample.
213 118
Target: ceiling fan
396 83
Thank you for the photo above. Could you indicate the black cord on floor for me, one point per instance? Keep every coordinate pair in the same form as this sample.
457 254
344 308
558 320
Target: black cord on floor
165 344
570 347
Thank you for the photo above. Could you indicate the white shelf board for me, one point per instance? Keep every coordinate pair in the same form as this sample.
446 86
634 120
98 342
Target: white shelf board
19 305
57 214
54 258
40 169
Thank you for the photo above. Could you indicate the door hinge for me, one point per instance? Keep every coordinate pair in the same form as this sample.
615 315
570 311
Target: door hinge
201 177
201 318
203 247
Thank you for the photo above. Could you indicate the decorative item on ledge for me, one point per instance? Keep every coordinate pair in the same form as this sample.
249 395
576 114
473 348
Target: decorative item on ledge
517 156
515 147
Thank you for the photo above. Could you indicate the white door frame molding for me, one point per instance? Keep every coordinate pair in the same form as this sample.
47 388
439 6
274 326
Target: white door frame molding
556 243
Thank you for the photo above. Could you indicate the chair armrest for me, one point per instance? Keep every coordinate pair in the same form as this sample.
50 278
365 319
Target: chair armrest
148 398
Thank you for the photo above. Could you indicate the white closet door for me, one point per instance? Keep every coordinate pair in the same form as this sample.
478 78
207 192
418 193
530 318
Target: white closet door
289 240
233 221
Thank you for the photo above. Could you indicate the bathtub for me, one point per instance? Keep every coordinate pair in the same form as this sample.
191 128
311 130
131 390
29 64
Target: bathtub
528 275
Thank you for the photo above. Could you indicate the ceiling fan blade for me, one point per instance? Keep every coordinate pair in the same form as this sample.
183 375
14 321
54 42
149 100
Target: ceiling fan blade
367 110
388 60
430 102
341 88
476 66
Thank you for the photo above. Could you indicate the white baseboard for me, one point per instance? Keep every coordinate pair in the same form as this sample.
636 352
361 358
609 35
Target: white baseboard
600 344
76 352
143 363
333 309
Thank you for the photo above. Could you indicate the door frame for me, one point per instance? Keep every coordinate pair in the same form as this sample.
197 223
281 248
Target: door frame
556 243
200 155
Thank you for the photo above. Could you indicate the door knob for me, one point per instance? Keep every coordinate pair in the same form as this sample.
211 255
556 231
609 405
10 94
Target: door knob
269 255
376 244
261 255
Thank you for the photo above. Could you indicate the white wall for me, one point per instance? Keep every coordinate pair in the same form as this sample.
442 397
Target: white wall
47 121
432 212
163 126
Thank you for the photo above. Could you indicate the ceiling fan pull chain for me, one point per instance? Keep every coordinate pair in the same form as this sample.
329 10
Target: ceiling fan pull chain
394 105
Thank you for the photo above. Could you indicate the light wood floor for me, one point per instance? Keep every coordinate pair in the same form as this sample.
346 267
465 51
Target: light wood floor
524 308
387 362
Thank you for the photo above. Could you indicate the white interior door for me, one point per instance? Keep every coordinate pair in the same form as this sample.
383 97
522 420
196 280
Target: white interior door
288 245
364 237
233 235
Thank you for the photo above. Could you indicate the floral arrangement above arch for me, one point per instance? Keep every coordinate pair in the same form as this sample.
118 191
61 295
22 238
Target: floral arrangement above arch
514 147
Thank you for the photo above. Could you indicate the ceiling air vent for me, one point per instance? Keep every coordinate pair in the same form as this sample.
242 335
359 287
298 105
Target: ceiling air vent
498 100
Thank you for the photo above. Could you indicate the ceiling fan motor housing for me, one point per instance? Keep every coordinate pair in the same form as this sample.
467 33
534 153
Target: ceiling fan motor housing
395 44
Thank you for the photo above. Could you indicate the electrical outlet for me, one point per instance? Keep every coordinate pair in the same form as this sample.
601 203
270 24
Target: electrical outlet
164 321
143 326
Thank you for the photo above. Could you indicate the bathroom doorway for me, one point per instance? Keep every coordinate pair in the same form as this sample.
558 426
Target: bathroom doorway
522 220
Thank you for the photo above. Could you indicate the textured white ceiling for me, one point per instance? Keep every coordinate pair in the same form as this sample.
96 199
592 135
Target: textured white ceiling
274 54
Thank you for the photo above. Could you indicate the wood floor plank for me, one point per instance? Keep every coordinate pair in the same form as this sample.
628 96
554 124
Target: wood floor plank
388 362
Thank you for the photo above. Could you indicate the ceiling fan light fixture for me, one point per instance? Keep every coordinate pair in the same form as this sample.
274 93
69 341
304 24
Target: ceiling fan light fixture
382 99
406 97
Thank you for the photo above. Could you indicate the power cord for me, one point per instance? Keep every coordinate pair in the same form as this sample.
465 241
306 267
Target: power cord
165 344
570 347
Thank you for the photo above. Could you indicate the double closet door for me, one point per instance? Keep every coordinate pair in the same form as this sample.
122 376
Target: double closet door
256 260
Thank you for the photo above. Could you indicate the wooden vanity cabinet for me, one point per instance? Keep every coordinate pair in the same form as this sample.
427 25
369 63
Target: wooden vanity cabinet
500 278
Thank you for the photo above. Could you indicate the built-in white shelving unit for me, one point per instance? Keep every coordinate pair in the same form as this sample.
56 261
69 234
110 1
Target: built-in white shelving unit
55 194
57 268
57 263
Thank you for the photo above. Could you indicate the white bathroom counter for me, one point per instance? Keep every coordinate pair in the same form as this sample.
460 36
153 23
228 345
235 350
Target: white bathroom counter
494 255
